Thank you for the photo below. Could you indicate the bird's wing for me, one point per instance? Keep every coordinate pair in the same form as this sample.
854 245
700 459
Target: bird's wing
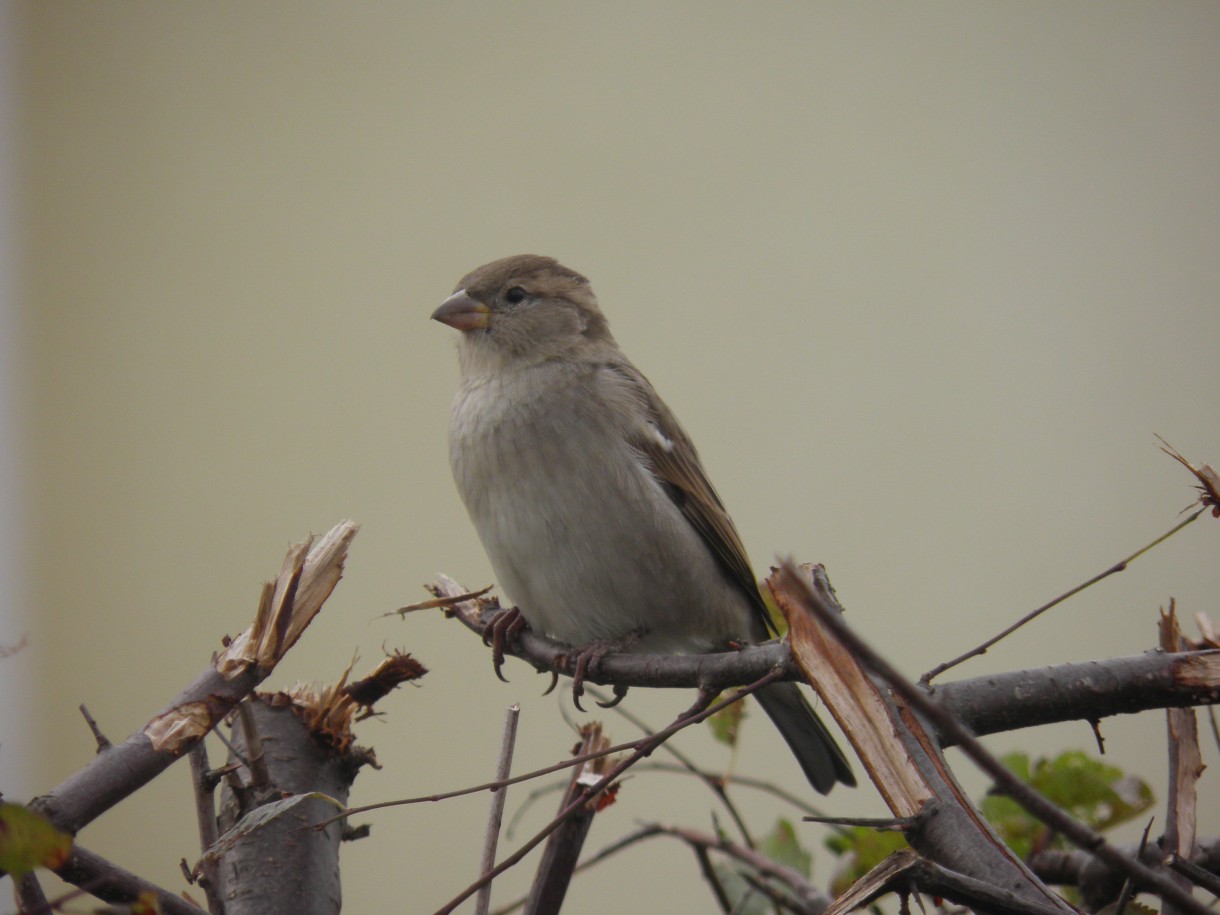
672 457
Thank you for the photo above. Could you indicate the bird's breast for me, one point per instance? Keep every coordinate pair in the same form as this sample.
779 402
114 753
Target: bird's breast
582 537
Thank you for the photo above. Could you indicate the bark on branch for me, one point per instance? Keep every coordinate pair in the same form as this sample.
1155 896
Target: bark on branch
288 604
1079 691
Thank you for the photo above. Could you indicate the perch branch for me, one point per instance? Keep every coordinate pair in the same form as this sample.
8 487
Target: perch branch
1079 691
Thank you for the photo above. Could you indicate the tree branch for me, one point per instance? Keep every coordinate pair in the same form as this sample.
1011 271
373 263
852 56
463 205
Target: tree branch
120 771
107 881
1080 691
204 787
701 710
307 576
282 866
1098 882
815 603
495 815
562 851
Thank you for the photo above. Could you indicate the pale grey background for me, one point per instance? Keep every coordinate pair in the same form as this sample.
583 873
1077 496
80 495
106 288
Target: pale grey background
921 281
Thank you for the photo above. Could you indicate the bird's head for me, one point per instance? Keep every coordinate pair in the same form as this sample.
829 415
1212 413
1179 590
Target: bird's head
523 310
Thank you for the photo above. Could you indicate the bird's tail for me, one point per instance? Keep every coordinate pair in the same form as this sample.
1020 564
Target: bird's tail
819 756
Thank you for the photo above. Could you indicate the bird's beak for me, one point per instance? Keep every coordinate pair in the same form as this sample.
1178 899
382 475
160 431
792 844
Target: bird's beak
462 312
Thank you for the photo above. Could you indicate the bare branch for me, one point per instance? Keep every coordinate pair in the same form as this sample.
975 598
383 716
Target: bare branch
1119 566
698 712
495 815
31 900
102 741
1085 690
563 848
277 865
1082 691
204 786
804 893
1034 803
894 744
107 881
715 783
116 772
905 870
1185 767
1099 883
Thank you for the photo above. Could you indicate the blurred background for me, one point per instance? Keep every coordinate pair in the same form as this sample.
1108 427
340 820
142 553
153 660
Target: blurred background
922 281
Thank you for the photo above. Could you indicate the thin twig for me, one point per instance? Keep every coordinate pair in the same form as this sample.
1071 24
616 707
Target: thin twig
1128 890
205 813
1197 875
739 780
447 601
879 823
1007 783
478 789
613 848
713 880
806 894
260 776
496 815
1117 567
103 742
781 901
528 776
698 712
715 783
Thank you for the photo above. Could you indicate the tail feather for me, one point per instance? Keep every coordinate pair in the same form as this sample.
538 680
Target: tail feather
815 750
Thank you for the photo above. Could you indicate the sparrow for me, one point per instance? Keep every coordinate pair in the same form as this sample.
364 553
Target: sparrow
589 497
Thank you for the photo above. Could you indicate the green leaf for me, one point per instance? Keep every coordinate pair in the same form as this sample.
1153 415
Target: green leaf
782 847
862 849
726 723
744 899
28 841
1099 795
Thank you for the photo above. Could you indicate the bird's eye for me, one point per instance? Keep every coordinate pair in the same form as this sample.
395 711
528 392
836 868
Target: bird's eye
515 296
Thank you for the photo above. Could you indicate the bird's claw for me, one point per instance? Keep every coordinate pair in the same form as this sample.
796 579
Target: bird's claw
588 659
620 692
501 631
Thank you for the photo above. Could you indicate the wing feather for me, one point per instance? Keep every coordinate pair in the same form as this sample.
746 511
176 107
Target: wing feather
672 457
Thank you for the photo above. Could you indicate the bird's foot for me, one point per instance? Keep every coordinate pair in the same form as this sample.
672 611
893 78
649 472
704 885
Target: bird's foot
585 661
501 631
589 658
620 693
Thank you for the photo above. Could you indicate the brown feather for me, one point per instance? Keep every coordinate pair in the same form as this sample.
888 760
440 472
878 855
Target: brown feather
682 475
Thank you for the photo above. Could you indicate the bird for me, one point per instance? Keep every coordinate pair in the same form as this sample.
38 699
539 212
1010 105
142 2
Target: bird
589 498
